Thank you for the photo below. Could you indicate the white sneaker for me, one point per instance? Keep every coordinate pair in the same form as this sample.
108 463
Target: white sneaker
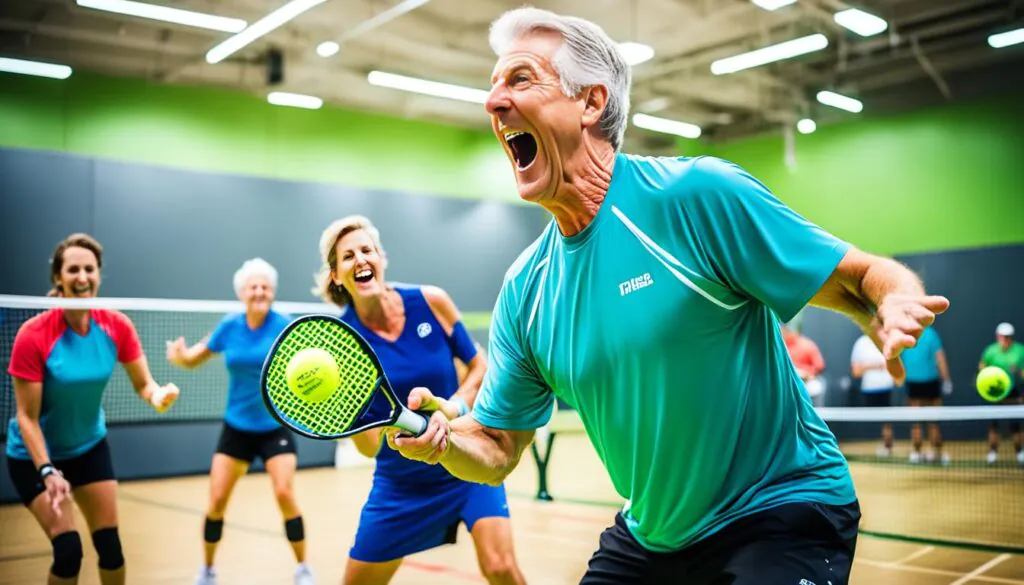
929 457
207 576
884 451
945 459
1020 457
915 457
303 575
991 457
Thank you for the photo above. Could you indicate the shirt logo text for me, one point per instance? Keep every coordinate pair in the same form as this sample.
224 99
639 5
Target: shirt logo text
635 284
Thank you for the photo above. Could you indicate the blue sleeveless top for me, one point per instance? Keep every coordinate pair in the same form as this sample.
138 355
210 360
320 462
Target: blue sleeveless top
421 356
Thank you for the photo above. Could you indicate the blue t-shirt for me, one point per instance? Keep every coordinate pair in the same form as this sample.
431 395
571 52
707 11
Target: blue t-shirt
74 370
659 324
244 352
423 355
919 361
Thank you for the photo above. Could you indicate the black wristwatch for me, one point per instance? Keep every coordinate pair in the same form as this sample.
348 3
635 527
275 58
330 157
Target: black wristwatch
46 470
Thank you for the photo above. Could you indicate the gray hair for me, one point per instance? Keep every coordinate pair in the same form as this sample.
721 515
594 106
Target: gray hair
588 57
325 287
251 268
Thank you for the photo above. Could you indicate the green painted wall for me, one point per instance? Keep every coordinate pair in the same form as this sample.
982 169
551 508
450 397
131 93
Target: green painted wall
944 178
937 179
216 130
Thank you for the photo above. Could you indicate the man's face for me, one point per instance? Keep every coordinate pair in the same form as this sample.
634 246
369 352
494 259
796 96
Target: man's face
538 125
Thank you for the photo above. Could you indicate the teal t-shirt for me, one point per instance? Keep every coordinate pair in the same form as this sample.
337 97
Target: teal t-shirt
919 361
659 324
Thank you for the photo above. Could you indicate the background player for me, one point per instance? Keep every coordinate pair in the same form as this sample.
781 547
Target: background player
927 380
61 362
868 365
1008 354
416 331
249 430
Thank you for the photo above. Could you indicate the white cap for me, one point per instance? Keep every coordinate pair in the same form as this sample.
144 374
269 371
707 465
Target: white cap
1005 329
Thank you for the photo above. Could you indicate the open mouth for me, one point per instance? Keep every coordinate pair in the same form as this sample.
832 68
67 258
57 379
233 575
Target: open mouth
363 276
81 289
523 146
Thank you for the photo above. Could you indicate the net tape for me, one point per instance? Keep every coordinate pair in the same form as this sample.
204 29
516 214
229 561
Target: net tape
204 390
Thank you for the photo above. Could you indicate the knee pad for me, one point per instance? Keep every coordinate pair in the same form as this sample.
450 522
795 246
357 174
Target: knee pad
67 555
107 543
212 530
294 529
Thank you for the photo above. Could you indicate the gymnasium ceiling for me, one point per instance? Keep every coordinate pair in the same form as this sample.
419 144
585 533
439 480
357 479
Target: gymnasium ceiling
933 51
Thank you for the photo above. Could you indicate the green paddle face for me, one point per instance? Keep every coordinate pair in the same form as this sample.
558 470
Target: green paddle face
324 405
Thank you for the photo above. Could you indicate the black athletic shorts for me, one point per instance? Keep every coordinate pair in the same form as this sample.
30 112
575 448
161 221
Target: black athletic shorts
801 543
246 446
93 466
924 390
877 398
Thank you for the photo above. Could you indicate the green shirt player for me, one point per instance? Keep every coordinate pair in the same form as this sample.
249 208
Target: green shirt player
652 304
1007 354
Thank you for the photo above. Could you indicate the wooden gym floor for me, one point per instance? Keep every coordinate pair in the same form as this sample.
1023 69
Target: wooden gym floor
161 527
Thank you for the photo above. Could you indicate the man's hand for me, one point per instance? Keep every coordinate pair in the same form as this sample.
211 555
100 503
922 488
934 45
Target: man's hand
898 324
431 445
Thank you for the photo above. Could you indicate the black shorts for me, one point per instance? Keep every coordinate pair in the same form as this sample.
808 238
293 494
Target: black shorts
877 398
246 446
791 544
924 390
93 466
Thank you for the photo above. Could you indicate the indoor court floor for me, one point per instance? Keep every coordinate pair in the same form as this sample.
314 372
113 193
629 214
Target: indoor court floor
161 526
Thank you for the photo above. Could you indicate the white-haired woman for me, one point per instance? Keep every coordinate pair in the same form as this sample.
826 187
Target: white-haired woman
417 333
249 431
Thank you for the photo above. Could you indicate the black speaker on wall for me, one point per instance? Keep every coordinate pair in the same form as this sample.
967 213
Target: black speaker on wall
275 66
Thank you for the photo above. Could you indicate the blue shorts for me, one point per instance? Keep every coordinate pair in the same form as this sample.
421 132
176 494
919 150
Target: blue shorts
399 521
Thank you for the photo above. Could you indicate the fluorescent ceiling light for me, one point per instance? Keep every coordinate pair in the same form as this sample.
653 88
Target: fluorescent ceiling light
259 28
327 49
167 14
1000 40
35 68
636 53
773 4
434 88
786 50
806 126
295 100
840 101
860 22
666 126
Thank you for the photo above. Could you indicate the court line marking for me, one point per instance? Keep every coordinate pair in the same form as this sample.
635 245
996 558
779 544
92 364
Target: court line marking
915 555
412 563
439 568
974 574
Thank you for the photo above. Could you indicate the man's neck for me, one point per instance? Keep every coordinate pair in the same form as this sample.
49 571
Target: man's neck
585 181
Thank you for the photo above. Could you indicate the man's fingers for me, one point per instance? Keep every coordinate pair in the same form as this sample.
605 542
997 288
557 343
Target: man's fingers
922 314
935 303
895 343
896 370
422 399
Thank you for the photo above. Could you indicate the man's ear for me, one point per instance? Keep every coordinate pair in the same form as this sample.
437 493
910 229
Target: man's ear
595 99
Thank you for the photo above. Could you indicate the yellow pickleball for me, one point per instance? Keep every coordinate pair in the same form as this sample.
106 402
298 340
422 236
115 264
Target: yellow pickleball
993 383
313 375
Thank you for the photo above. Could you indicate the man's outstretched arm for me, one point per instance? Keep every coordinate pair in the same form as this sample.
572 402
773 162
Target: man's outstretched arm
884 298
